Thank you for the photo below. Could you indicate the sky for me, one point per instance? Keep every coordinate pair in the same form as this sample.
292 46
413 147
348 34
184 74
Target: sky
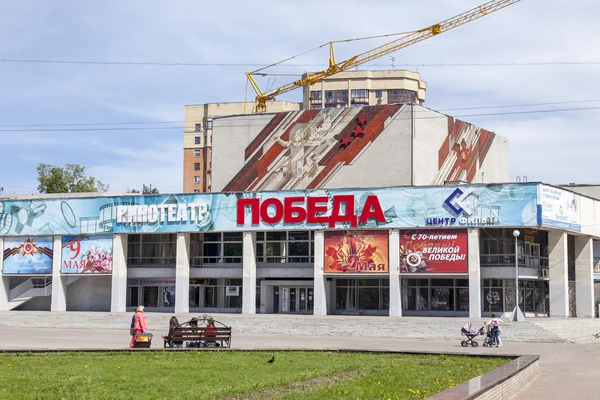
552 146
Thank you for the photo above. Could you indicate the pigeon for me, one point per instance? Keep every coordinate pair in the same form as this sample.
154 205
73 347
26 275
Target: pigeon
271 361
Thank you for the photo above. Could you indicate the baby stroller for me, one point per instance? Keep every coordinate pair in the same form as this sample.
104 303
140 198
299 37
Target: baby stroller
488 336
468 331
142 340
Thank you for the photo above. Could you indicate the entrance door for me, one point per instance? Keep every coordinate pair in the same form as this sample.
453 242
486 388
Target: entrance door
295 300
305 304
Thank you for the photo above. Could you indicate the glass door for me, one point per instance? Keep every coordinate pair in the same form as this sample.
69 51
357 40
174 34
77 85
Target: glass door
194 296
306 300
294 300
309 300
303 300
150 298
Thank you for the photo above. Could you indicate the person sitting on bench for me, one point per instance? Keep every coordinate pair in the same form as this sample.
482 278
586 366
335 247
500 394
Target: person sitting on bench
173 323
210 332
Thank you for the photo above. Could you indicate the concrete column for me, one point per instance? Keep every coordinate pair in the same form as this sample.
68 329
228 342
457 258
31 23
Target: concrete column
4 291
322 95
559 275
182 274
320 294
394 260
59 283
349 94
4 284
263 297
584 276
474 274
249 273
118 295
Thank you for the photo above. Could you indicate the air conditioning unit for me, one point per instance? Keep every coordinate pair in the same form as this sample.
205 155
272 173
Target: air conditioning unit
544 273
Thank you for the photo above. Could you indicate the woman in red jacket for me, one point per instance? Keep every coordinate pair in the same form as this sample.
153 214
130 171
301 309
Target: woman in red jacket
210 333
139 324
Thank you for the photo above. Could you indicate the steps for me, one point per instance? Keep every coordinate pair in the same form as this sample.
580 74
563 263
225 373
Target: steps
32 288
575 330
427 328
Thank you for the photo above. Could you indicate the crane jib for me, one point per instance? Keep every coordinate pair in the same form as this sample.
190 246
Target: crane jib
385 49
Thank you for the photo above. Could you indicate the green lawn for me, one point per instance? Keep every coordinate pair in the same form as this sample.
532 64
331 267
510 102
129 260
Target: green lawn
233 375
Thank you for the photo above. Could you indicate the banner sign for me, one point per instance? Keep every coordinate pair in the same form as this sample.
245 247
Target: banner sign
356 252
559 208
596 260
28 255
493 205
434 251
87 254
151 282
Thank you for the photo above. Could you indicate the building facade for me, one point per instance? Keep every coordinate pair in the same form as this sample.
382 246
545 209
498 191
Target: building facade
365 88
371 146
347 89
432 251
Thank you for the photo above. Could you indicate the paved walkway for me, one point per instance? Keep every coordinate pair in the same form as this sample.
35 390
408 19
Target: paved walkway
567 371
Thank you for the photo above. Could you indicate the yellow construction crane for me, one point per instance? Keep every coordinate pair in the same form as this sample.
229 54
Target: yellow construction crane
405 41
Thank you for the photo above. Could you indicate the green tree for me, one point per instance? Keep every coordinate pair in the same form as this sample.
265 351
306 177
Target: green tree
70 179
145 190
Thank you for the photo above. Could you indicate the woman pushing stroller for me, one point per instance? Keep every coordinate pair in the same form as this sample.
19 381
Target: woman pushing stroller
493 326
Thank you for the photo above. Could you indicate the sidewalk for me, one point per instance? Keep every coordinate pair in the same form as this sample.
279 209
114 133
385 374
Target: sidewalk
567 371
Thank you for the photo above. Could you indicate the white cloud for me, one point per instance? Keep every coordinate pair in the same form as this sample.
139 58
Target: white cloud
161 166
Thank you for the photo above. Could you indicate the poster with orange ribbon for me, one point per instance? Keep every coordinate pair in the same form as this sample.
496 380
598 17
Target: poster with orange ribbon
362 252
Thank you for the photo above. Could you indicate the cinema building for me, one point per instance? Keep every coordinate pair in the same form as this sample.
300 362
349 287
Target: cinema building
357 211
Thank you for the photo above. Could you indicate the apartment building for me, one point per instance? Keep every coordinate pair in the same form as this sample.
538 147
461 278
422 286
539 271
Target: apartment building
197 138
365 88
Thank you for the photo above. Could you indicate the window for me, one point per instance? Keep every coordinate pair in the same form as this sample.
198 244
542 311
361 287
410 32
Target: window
212 293
362 294
359 97
196 179
196 153
534 297
379 94
396 96
197 140
133 296
450 295
336 98
315 99
299 246
151 249
197 166
209 124
496 293
216 248
498 249
198 127
285 247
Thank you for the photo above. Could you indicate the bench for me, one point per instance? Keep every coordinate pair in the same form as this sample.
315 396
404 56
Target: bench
189 333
